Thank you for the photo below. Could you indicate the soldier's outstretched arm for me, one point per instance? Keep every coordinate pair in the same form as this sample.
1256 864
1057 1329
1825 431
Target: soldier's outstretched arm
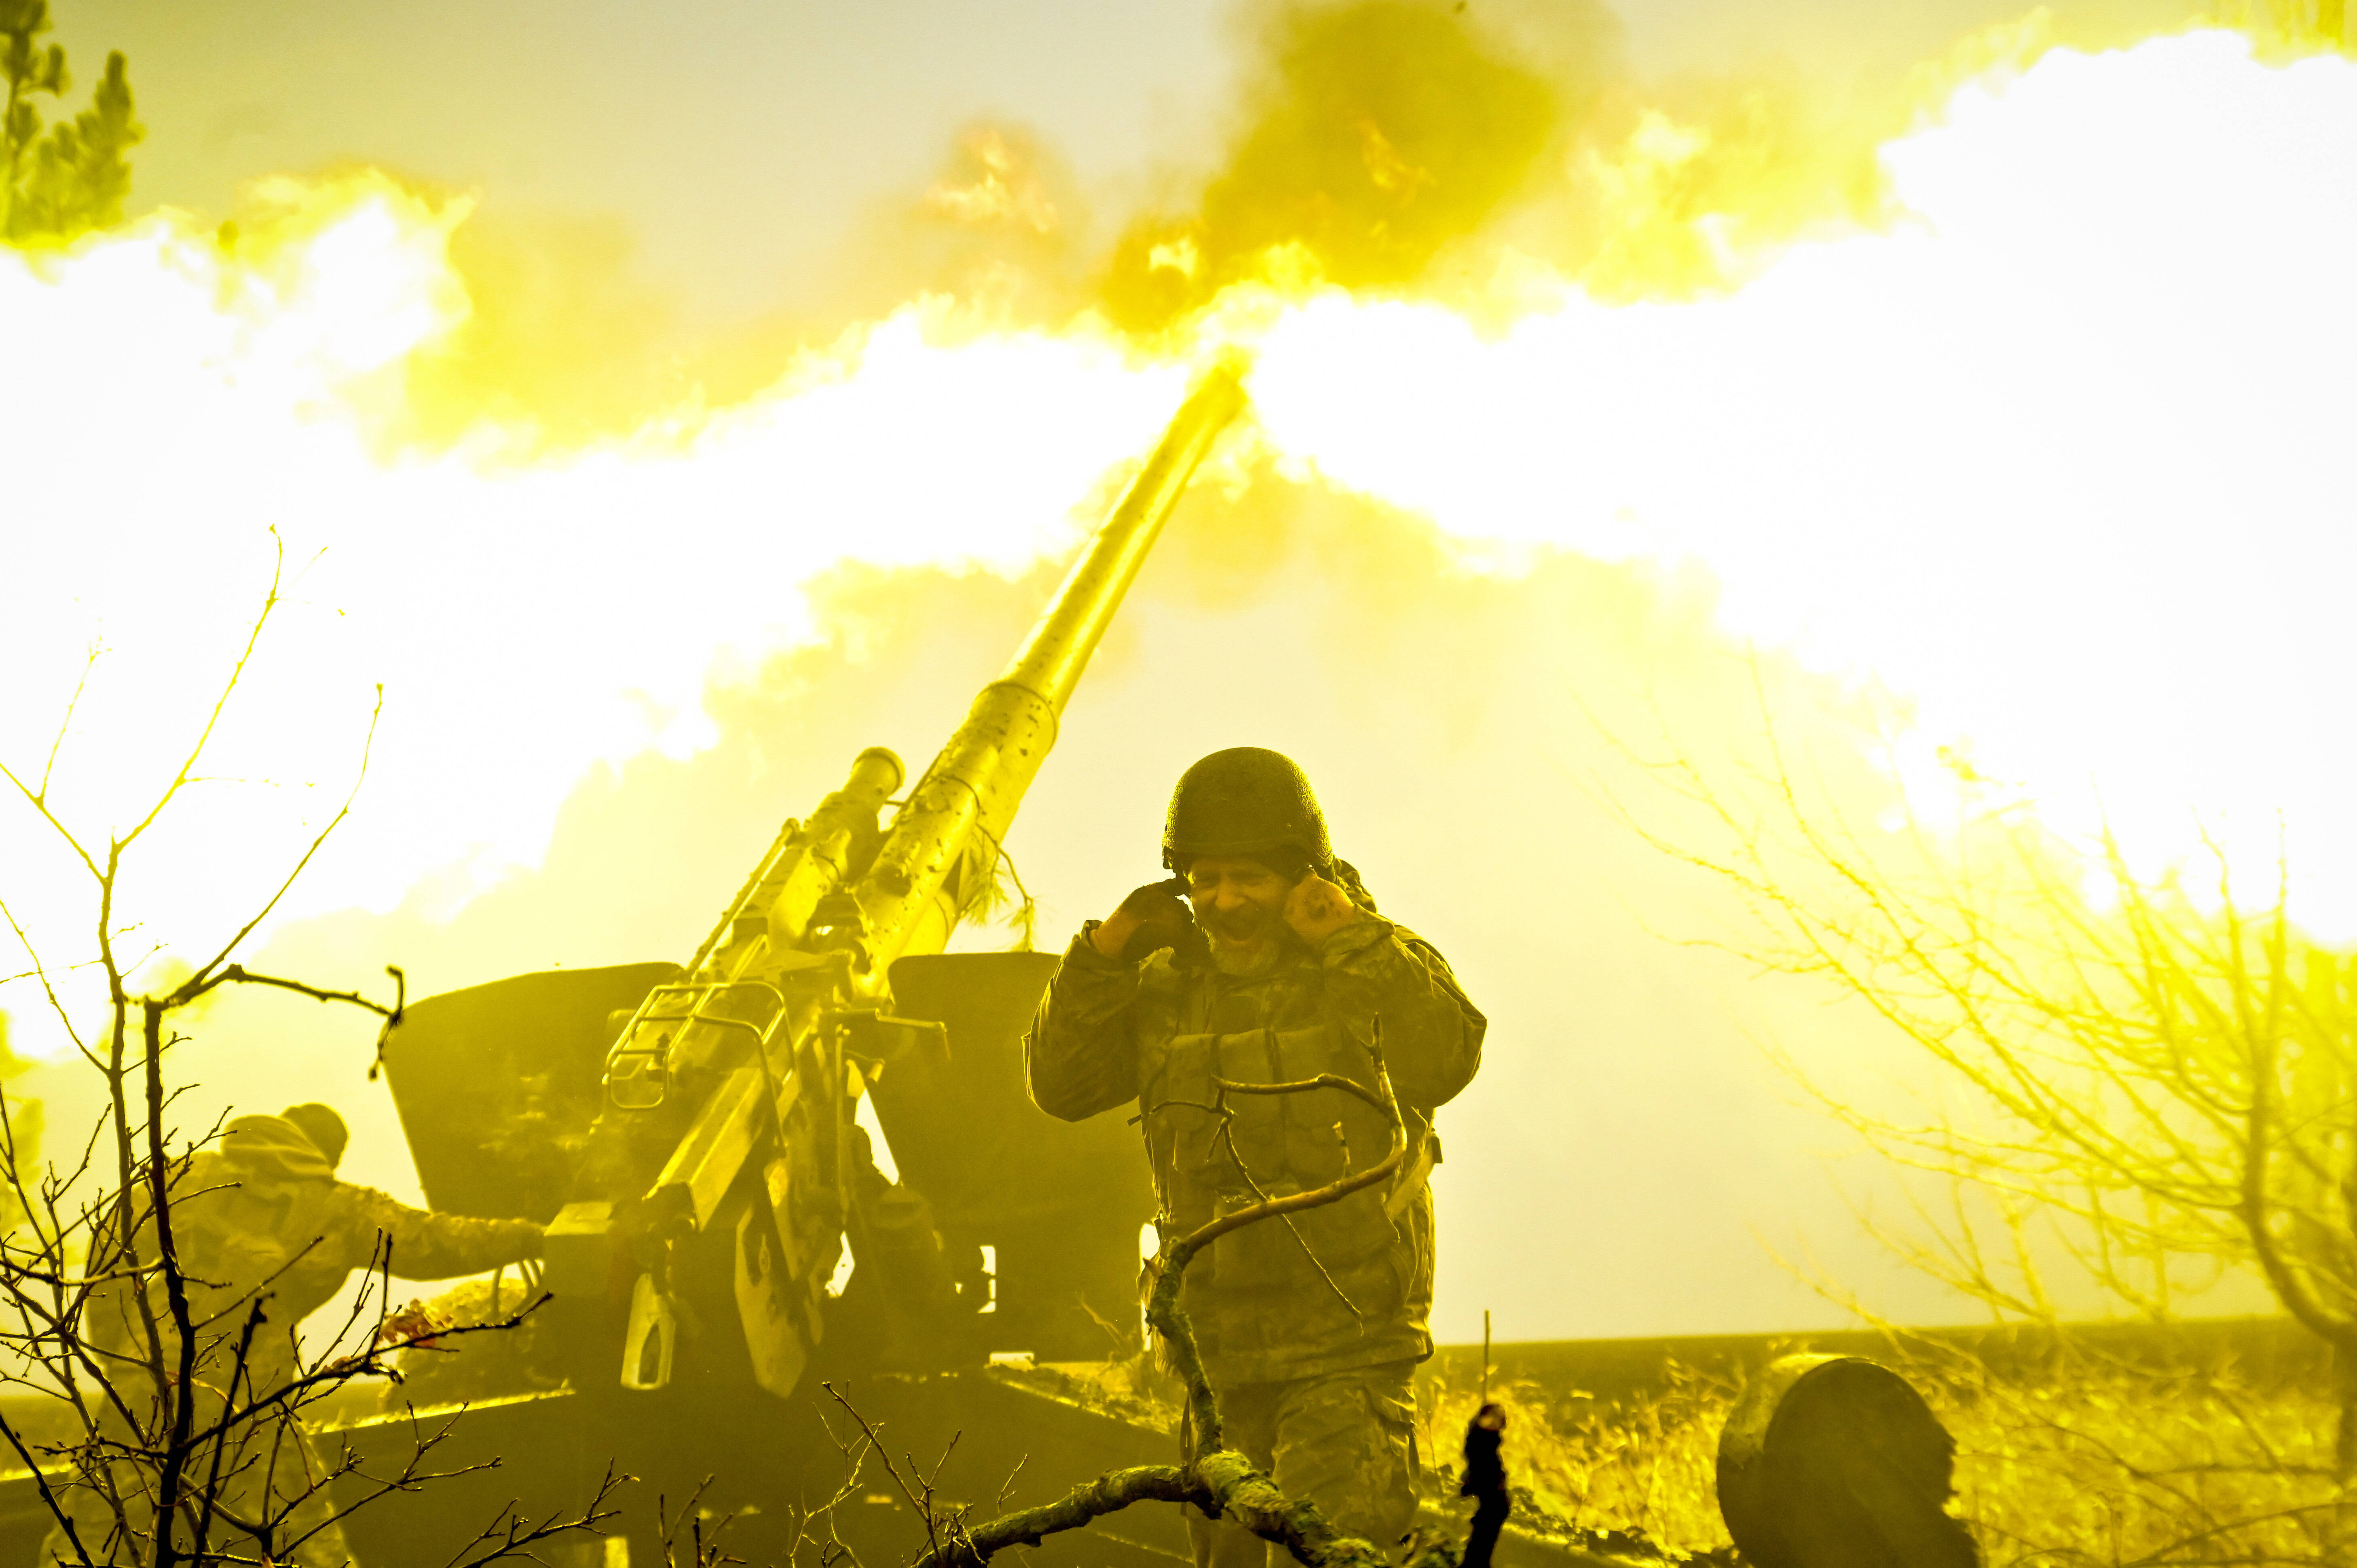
1081 1052
427 1246
1432 1033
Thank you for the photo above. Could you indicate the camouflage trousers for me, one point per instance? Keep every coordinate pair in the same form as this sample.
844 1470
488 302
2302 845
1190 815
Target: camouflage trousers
1345 1441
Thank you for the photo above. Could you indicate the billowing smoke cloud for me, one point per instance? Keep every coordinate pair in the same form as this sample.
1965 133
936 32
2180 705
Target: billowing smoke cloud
1379 133
2056 458
1414 148
2060 458
173 407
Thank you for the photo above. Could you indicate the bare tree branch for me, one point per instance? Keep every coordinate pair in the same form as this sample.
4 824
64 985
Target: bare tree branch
206 976
179 1434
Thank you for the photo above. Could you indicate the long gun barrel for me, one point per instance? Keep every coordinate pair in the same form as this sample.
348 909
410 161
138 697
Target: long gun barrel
946 840
753 1062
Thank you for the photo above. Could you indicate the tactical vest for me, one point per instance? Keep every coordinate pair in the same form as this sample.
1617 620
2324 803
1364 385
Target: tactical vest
1269 1301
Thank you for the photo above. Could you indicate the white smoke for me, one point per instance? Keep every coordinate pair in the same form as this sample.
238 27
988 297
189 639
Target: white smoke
2064 458
168 409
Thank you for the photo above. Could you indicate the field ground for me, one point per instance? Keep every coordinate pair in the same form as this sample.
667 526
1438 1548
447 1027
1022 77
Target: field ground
2105 1447
2119 1443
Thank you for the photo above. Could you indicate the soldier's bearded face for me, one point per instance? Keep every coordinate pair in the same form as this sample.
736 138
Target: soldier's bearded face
1241 905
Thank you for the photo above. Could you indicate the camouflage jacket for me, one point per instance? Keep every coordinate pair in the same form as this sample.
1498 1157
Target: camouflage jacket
1346 1285
264 1213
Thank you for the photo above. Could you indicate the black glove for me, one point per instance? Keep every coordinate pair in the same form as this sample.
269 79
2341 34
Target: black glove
1163 921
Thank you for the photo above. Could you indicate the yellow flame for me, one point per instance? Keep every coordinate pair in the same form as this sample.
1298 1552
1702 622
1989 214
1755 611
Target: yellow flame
528 620
2058 455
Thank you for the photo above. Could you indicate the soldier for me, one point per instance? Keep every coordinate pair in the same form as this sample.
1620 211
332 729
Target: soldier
263 1217
1309 1328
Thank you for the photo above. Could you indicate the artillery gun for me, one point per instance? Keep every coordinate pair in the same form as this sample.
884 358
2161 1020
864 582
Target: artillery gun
692 1135
723 1242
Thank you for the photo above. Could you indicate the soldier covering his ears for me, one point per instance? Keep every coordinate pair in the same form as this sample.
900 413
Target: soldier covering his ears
1309 1328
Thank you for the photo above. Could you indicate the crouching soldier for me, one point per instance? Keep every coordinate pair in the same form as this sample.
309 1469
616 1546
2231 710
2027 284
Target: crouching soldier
260 1219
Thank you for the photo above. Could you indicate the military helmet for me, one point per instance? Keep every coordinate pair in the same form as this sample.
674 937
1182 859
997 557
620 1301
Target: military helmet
271 1148
1243 800
320 1124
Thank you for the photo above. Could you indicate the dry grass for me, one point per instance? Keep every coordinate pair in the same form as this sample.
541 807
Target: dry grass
2097 1462
1637 1470
2079 1462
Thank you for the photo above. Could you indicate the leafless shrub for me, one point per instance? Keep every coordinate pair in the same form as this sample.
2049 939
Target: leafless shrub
170 1437
2151 1088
